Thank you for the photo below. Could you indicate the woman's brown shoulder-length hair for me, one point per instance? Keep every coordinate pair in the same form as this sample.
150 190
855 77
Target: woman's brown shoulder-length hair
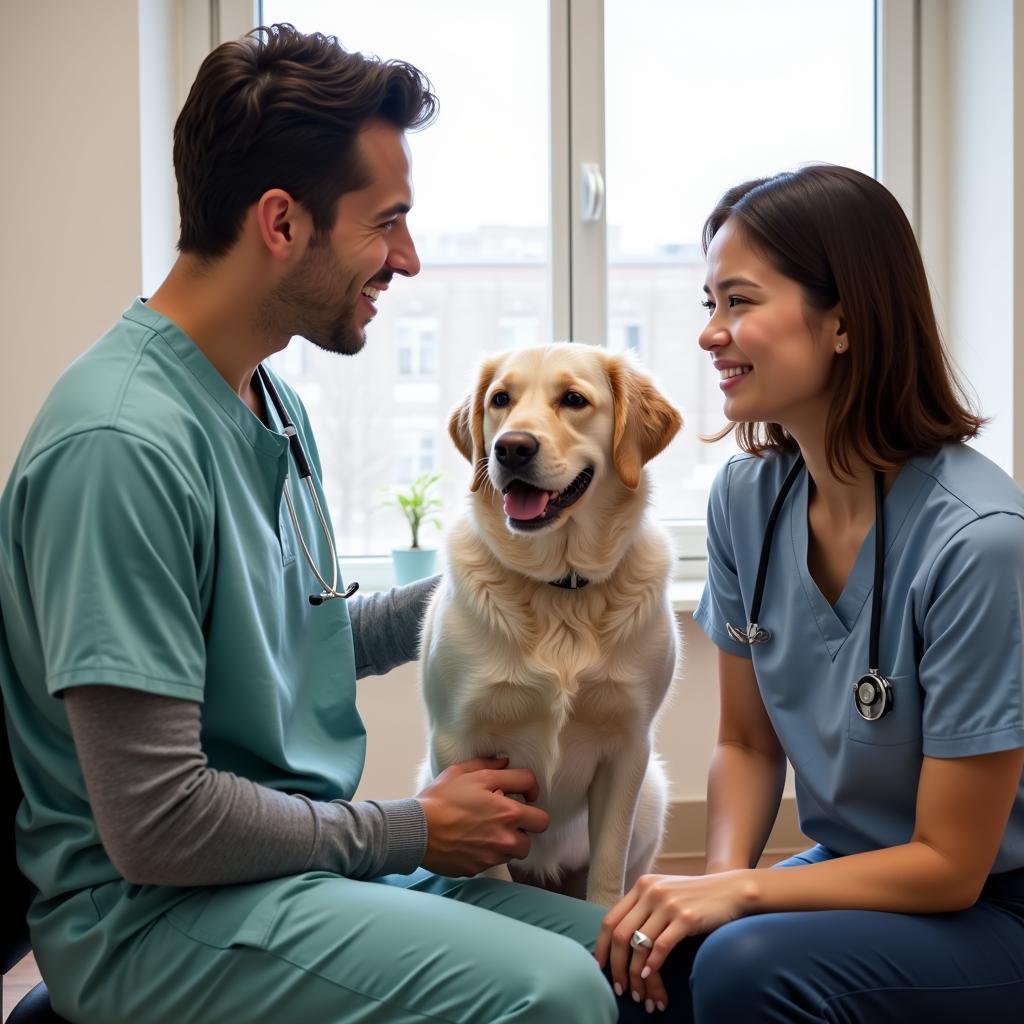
845 239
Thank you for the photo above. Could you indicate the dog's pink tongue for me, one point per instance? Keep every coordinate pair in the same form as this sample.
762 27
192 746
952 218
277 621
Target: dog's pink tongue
525 502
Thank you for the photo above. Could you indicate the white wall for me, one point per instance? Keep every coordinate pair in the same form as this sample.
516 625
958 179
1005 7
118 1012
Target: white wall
69 177
88 99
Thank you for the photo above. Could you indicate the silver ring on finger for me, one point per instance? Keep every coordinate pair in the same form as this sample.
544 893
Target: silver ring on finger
641 941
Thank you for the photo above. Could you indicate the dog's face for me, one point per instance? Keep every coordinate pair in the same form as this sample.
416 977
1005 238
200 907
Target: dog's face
548 426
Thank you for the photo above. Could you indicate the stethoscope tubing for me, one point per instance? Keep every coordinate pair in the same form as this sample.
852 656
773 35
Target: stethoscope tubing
329 590
769 536
872 692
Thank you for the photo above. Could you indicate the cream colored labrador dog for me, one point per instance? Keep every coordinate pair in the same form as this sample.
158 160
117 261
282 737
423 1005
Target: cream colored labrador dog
551 640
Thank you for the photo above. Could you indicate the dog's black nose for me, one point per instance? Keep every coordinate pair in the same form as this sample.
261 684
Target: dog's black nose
515 448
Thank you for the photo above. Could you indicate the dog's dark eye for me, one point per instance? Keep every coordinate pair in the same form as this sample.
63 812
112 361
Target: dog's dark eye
574 400
500 399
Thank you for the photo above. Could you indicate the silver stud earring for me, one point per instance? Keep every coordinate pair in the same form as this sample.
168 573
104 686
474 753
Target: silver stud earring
840 347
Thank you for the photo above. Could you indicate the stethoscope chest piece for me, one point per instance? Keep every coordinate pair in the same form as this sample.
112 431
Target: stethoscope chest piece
753 634
872 695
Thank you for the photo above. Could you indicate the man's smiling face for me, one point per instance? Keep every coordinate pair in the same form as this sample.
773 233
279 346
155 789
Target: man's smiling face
335 288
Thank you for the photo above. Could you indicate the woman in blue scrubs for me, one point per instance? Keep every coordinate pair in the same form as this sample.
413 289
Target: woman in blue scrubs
882 653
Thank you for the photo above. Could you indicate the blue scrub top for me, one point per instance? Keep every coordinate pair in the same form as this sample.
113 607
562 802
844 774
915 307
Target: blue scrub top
951 637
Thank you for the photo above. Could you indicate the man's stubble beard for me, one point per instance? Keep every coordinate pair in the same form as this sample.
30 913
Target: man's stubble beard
307 303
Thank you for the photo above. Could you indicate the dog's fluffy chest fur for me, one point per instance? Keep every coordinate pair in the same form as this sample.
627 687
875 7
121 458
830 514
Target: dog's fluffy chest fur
519 654
566 683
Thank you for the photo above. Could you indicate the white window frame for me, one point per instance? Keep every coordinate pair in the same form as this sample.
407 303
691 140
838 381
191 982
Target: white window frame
578 246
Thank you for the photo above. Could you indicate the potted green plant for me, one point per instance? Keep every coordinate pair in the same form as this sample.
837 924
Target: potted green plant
419 504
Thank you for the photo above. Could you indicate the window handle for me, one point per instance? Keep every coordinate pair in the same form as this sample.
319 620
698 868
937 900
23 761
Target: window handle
591 192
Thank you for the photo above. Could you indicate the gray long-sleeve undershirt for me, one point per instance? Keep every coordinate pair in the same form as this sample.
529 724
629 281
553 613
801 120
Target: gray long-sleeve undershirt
166 818
386 626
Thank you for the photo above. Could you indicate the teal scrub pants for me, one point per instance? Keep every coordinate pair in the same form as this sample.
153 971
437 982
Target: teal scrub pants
320 949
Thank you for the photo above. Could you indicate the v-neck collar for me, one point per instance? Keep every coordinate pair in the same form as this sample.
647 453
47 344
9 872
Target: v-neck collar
261 436
837 622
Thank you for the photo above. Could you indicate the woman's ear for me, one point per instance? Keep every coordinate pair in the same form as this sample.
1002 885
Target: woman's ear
466 424
645 421
836 321
840 340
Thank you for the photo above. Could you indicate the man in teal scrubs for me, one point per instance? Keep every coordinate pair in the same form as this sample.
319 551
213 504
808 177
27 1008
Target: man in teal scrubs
182 718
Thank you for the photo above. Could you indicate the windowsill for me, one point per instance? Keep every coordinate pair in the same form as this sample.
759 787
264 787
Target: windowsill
689 544
685 594
375 574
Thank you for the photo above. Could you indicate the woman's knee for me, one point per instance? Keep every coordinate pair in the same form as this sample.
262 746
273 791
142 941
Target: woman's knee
738 973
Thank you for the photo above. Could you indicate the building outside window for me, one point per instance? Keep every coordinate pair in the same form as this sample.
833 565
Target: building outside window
415 454
626 335
518 331
416 338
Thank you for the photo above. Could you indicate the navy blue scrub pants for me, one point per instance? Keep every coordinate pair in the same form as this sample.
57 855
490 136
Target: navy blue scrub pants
847 966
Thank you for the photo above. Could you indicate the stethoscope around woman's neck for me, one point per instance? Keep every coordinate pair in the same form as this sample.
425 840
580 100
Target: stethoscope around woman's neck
329 590
872 693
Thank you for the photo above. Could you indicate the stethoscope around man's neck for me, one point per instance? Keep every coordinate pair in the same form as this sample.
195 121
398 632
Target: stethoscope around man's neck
872 693
329 590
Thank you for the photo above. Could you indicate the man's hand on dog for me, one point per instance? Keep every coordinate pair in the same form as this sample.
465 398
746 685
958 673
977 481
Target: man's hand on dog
473 822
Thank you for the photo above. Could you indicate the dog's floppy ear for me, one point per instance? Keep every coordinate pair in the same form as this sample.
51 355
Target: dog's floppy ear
466 424
645 421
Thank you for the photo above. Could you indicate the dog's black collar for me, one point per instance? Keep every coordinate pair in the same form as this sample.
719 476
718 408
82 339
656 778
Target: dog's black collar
574 581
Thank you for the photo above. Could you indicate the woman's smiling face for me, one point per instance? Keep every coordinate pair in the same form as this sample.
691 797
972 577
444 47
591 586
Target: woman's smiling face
773 352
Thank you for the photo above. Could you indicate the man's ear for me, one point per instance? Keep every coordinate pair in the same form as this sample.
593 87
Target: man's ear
284 225
645 421
466 425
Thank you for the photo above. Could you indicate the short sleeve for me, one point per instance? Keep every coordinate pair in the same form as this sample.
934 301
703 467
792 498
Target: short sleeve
721 601
972 663
113 541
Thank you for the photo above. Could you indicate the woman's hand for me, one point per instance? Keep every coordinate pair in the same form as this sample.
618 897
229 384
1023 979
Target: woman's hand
667 908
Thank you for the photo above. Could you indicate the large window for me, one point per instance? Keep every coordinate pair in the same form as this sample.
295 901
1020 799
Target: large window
698 97
692 97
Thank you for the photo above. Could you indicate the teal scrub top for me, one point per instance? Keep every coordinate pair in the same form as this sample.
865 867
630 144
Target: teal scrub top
951 638
145 544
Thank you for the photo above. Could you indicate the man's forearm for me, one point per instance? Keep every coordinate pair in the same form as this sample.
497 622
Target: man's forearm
166 818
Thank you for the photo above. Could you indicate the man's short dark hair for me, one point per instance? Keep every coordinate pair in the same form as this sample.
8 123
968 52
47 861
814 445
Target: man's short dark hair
282 109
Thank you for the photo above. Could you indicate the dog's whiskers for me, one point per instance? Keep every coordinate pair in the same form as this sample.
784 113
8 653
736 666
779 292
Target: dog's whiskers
480 475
